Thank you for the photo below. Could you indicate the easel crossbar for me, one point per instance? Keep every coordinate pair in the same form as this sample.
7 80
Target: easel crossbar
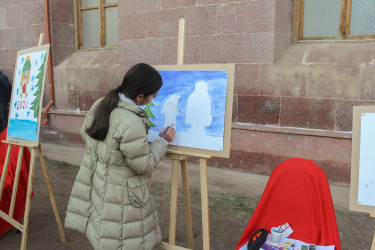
11 221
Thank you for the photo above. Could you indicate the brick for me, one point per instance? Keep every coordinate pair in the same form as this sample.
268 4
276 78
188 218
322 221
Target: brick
163 23
246 81
13 17
283 80
170 4
137 6
308 113
262 48
132 26
169 50
321 53
354 54
345 113
248 141
283 17
143 50
255 16
200 20
226 19
258 109
368 86
295 146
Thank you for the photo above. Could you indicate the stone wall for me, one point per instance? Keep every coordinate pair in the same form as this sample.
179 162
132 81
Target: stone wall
290 100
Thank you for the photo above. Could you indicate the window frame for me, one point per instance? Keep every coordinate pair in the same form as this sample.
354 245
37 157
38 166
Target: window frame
344 27
78 27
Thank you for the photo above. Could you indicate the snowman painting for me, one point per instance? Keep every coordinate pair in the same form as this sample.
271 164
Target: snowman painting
25 77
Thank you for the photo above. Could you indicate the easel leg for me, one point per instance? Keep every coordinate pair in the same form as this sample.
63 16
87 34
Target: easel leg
28 199
173 205
373 243
52 197
5 169
185 184
204 198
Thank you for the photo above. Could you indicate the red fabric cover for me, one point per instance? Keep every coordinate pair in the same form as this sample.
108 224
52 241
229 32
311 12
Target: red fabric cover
297 192
19 208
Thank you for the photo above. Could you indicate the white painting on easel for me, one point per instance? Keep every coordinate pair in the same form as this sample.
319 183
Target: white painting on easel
194 101
26 94
366 184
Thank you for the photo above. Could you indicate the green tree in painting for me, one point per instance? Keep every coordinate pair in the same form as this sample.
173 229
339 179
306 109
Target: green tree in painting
150 114
38 88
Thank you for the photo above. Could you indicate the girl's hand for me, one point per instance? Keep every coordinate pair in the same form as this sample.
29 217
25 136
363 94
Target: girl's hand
169 136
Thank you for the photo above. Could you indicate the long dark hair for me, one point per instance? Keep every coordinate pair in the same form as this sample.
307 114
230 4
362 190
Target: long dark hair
139 79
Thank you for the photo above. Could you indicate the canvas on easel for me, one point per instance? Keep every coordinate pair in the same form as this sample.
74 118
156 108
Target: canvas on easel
362 179
23 130
27 94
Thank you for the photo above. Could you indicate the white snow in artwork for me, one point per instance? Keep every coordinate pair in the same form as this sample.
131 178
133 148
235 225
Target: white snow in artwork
366 183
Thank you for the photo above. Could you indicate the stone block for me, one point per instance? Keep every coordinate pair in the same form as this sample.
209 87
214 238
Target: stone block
66 123
291 145
321 54
333 149
335 171
344 114
60 53
235 109
283 17
348 85
13 17
354 54
60 78
171 4
200 20
61 99
208 2
37 10
88 97
262 48
368 83
132 26
4 62
192 50
226 19
321 81
254 141
255 16
283 80
73 99
12 57
22 37
308 113
34 32
62 12
63 35
143 50
246 81
258 109
294 54
75 78
138 6
282 43
169 50
10 41
164 23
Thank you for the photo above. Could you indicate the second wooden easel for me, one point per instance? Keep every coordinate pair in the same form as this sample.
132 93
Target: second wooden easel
181 159
34 148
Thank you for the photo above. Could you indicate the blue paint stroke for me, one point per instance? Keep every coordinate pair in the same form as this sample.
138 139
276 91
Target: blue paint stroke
183 83
23 129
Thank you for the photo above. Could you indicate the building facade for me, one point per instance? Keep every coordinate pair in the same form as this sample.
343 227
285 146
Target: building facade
293 97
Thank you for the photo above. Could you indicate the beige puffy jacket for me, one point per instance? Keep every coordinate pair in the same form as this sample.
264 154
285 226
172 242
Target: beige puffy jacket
110 200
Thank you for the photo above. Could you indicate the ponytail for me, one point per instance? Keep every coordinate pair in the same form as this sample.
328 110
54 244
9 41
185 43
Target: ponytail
100 125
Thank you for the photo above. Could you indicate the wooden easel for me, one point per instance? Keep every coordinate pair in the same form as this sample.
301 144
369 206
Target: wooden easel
373 240
181 159
9 217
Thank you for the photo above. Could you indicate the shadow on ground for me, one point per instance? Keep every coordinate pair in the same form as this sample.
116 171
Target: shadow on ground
229 215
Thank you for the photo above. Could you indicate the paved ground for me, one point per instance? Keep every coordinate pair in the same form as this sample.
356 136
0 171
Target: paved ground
219 180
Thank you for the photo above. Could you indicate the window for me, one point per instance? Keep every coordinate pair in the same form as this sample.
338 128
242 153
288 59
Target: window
97 23
334 19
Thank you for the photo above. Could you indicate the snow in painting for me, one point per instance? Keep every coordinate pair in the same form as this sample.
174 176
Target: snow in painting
194 101
366 177
24 110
